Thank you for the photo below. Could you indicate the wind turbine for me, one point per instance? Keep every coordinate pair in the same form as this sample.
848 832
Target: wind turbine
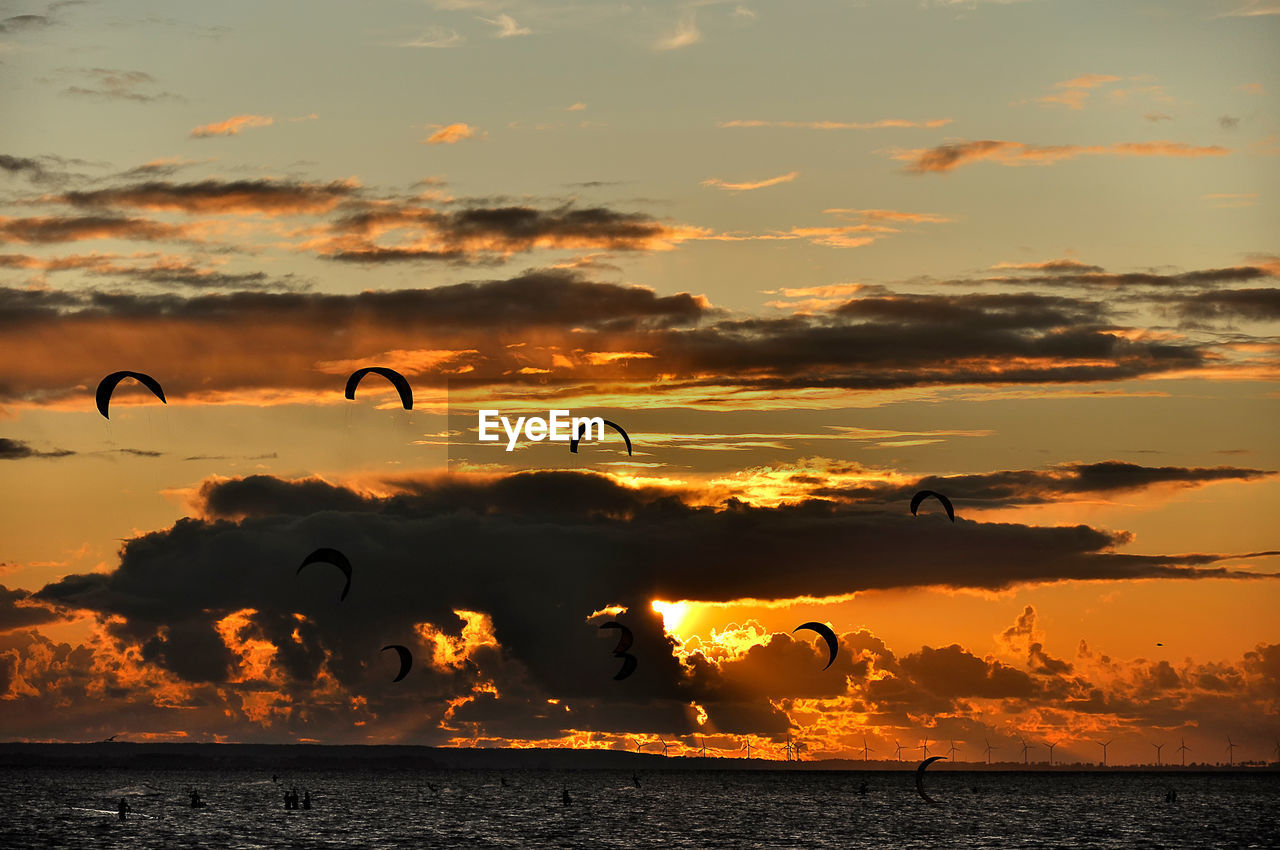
952 752
1277 752
1051 746
703 750
1104 750
899 751
989 749
665 745
865 748
639 745
925 747
1183 749
788 747
1158 747
1025 748
748 749
1231 753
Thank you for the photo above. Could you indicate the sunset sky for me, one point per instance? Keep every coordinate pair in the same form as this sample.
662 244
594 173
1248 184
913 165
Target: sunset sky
815 257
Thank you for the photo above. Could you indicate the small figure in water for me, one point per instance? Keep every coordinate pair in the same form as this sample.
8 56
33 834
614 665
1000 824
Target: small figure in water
1171 796
503 780
196 802
862 789
565 799
275 778
306 799
124 807
635 779
291 799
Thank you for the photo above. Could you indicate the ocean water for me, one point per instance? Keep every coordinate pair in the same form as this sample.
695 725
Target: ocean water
46 807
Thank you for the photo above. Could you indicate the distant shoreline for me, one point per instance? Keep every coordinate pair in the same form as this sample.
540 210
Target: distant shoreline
276 757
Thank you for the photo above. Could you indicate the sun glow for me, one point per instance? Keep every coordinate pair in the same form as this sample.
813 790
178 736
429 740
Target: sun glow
673 613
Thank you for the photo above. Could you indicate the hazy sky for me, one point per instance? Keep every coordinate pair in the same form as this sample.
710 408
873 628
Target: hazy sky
814 257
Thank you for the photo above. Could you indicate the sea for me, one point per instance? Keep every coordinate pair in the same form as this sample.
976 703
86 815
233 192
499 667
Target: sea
64 807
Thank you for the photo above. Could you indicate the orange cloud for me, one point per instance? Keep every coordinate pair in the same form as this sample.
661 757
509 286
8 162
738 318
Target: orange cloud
953 155
450 134
747 187
891 215
1073 93
231 126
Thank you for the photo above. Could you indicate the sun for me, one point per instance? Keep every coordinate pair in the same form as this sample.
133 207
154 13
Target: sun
673 613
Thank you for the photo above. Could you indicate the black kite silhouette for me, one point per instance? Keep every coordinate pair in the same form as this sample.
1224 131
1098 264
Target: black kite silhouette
924 494
108 385
833 644
920 778
330 556
397 380
406 659
625 639
573 443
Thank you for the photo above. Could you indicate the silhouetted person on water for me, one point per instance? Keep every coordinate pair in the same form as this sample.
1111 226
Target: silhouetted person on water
291 799
862 789
635 779
196 802
124 807
565 799
1171 796
306 799
275 778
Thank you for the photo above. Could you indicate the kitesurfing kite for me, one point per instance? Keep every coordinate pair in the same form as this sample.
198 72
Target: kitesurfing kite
108 385
924 494
397 380
330 556
573 443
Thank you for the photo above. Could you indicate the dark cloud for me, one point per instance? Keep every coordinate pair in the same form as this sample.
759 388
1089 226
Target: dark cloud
1026 486
39 169
266 495
1099 278
1054 266
166 272
1256 304
954 672
471 232
875 342
979 312
24 23
1228 122
448 545
19 450
19 611
117 84
28 166
197 277
274 197
268 456
137 452
923 340
50 229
